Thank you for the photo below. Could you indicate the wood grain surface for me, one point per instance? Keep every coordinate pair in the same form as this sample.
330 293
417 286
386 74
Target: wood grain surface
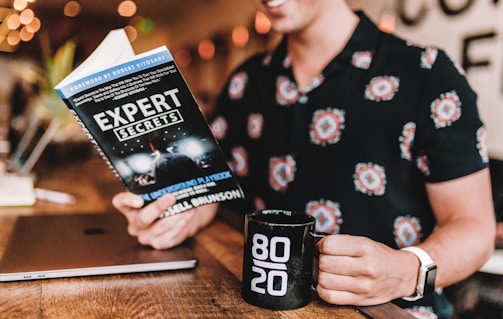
211 290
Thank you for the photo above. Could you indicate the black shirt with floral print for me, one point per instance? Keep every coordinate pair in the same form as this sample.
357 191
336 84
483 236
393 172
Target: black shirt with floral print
354 150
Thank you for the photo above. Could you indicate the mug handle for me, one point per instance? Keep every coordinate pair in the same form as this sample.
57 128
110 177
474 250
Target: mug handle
316 254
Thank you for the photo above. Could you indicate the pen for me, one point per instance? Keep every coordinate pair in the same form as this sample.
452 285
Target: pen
54 196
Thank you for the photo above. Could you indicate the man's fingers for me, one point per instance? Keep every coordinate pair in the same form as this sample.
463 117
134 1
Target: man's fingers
152 211
345 245
127 201
166 232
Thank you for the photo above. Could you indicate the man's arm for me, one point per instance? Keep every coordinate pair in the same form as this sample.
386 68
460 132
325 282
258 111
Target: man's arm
358 271
465 236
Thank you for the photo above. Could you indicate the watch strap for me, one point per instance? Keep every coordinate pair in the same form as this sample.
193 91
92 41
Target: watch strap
426 265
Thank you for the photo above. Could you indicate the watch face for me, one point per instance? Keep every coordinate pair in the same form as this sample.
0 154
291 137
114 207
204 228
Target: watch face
429 279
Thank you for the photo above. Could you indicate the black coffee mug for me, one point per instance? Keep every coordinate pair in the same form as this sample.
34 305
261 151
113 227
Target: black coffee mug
278 259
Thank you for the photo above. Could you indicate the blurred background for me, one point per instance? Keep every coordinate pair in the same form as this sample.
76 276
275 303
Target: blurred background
42 40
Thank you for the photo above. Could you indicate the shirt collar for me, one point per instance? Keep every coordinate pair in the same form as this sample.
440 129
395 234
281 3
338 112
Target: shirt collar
364 39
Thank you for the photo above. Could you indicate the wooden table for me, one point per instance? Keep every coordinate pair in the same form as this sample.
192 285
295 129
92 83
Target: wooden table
211 290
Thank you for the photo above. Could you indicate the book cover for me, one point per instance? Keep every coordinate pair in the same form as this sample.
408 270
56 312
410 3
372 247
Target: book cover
142 117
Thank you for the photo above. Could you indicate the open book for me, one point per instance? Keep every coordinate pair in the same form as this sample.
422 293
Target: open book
145 122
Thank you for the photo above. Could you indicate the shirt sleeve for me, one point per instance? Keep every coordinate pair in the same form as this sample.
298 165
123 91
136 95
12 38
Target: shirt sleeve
450 136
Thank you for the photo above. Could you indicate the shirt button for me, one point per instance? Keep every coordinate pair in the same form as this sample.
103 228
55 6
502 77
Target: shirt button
303 99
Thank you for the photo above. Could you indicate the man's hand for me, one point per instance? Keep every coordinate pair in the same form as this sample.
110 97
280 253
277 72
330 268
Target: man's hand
161 233
358 271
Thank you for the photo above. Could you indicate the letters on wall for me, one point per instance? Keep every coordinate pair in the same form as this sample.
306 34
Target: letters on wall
471 31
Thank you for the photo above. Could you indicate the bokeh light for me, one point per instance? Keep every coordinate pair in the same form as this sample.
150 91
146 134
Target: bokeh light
240 36
34 25
26 16
183 58
206 49
13 38
126 8
143 25
72 9
25 35
131 32
262 23
13 21
19 5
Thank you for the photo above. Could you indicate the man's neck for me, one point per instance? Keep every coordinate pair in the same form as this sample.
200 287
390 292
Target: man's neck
312 49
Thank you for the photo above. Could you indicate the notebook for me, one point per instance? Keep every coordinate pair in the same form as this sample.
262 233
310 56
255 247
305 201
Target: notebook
57 246
16 189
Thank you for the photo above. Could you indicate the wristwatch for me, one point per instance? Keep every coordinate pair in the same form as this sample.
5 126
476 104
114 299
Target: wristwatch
427 273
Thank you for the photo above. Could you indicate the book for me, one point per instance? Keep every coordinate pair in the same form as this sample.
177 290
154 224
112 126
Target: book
141 116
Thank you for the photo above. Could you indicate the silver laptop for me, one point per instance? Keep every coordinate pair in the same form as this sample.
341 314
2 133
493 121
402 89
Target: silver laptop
57 246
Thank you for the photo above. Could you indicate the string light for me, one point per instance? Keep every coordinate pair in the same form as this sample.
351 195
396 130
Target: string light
131 32
387 23
72 9
183 58
13 22
34 25
262 23
13 38
127 8
240 36
26 24
21 23
387 20
26 16
19 5
25 35
144 26
206 49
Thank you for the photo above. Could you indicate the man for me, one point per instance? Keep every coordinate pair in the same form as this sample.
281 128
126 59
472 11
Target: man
169 167
377 138
3 169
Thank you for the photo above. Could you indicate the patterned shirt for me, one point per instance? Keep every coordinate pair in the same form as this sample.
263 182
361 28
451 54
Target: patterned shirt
356 148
